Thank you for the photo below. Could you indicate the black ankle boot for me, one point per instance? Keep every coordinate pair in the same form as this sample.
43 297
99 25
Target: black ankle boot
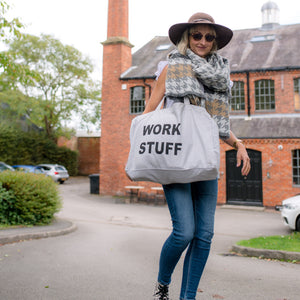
161 292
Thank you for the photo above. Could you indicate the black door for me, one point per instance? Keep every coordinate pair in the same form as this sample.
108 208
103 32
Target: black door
244 190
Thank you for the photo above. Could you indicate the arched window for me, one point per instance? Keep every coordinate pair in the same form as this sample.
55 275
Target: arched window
297 93
296 166
237 101
264 95
137 99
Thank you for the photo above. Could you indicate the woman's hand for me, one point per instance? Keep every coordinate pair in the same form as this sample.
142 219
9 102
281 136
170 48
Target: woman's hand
242 156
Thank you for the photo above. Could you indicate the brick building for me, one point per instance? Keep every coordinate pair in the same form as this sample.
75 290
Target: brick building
88 148
265 106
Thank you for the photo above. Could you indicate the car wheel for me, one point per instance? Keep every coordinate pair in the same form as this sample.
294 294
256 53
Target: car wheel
298 223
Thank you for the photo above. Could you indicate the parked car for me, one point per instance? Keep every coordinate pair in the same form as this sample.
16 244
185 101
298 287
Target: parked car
29 169
4 167
290 212
57 172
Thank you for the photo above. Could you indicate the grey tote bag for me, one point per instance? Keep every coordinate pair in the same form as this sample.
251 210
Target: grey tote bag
179 144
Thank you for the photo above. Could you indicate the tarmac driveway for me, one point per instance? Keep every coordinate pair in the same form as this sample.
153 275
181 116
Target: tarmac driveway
113 255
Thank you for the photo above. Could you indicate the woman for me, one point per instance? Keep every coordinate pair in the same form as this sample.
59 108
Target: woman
196 71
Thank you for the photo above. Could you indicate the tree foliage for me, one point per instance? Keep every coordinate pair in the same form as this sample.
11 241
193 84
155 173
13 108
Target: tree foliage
33 148
59 86
10 30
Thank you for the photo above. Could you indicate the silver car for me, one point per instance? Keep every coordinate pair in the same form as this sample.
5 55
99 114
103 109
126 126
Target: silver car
4 167
57 172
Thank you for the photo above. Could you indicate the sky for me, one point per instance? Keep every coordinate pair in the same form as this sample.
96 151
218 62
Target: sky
83 23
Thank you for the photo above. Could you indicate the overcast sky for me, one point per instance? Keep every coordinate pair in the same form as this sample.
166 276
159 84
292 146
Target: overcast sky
83 23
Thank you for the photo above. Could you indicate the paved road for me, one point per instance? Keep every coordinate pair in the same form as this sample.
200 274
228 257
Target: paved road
113 255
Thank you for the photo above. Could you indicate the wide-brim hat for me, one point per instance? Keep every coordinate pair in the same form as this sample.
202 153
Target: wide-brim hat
223 33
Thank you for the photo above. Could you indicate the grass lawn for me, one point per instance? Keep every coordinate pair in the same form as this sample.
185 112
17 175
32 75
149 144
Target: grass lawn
3 226
289 242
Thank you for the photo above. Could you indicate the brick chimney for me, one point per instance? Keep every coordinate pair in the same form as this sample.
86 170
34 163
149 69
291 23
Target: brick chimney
115 107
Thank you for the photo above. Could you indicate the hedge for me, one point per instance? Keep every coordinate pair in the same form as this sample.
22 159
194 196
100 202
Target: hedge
27 199
33 148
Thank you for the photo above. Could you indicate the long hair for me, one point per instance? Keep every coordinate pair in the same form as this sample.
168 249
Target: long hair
183 44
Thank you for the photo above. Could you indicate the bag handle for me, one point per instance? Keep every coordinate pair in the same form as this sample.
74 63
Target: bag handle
187 101
161 104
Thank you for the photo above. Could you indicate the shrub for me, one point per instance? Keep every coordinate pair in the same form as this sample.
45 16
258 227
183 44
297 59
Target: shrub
8 213
27 198
33 148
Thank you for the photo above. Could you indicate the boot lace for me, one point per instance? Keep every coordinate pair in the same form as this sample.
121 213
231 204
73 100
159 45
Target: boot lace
161 292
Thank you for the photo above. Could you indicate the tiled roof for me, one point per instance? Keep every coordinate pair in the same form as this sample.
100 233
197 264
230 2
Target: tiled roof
256 49
250 49
146 59
269 126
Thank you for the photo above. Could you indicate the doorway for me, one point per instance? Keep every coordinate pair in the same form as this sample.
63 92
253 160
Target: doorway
242 190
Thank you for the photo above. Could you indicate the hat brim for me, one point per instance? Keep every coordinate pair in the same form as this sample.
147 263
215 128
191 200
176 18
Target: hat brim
224 34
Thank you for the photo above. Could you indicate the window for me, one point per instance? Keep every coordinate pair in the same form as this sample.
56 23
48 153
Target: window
297 93
263 38
264 95
237 101
137 99
163 47
296 166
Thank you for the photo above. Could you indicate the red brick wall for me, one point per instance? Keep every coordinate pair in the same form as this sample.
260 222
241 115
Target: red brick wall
117 18
115 118
88 152
89 155
278 185
69 143
115 142
284 90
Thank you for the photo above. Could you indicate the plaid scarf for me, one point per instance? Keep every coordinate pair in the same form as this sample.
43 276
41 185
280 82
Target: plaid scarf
197 78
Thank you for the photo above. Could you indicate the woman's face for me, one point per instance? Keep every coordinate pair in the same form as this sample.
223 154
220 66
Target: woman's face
201 39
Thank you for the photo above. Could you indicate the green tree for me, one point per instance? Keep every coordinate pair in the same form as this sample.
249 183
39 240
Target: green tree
10 71
57 85
10 30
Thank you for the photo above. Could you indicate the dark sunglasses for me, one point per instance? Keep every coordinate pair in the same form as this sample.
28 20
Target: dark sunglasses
198 37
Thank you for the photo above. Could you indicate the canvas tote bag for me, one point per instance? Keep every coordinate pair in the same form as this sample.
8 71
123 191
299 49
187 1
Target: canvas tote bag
178 144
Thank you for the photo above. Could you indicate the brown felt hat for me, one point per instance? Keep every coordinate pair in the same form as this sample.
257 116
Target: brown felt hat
223 33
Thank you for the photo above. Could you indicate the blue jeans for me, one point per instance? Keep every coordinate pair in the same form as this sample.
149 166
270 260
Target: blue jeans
192 207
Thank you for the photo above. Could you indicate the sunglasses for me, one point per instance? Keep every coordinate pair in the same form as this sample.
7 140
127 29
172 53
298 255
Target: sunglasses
198 37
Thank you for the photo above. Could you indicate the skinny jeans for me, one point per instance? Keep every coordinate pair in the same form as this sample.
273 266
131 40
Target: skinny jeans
192 207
